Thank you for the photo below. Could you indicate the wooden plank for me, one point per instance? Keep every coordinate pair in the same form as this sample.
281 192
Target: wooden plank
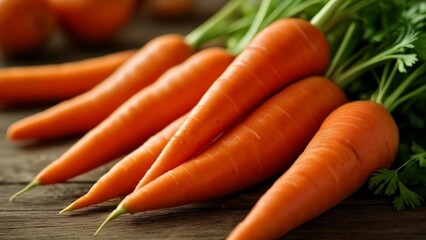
36 217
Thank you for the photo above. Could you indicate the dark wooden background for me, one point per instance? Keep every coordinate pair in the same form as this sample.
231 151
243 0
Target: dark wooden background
35 214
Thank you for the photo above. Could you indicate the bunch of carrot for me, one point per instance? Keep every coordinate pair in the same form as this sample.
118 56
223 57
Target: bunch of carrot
261 107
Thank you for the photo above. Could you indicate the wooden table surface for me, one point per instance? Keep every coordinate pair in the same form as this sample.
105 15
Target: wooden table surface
35 214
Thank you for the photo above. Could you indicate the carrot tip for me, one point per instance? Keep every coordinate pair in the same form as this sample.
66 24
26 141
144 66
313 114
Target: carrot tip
68 208
31 185
117 212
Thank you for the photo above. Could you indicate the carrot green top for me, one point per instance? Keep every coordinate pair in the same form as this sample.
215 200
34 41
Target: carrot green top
381 57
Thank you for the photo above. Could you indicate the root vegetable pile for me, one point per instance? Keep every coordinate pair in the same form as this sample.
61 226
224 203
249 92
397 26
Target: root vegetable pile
322 94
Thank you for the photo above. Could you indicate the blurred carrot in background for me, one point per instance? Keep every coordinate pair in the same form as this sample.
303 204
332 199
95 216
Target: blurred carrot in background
93 20
25 25
55 82
85 111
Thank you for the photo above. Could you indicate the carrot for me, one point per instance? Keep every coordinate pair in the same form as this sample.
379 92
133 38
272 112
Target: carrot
124 169
56 82
147 112
93 21
262 145
123 177
85 111
359 138
25 26
353 142
285 51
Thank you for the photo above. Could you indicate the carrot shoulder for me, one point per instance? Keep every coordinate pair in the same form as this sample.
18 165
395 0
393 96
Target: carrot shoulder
85 111
354 141
54 82
262 145
285 51
143 115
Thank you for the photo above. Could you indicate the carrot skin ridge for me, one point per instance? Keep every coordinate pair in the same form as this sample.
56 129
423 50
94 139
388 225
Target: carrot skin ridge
85 111
258 72
124 176
55 82
143 115
353 142
262 145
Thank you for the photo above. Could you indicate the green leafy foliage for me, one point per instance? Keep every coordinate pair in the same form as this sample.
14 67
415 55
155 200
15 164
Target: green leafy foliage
379 54
407 198
390 31
407 183
420 44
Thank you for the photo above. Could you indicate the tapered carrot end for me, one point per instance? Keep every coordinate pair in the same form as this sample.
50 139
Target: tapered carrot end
117 212
31 185
68 208
17 130
11 134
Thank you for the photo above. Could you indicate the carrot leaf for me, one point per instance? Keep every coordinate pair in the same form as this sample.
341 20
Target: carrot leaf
385 37
407 198
407 183
420 45
384 181
420 155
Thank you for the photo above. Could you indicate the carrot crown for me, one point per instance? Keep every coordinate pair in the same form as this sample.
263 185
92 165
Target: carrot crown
380 56
267 12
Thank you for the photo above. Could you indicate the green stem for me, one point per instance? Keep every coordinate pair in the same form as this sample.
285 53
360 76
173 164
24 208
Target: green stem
349 62
254 28
406 163
347 12
395 98
238 25
326 13
289 9
407 97
280 9
301 7
347 77
196 37
385 83
343 49
276 13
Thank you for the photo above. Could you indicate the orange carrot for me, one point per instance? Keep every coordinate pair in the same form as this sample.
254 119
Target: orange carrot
56 82
353 142
144 114
85 111
285 51
123 177
262 145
